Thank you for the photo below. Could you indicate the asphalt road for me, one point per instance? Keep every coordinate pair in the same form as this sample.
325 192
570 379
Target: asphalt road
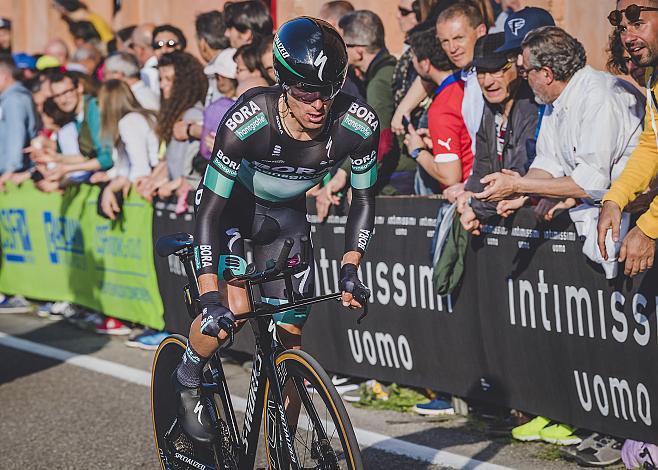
80 415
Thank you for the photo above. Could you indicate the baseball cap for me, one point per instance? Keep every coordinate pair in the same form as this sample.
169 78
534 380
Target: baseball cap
520 23
47 62
24 61
486 57
223 65
5 23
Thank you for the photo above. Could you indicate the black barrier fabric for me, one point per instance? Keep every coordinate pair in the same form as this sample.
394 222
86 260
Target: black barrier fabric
534 325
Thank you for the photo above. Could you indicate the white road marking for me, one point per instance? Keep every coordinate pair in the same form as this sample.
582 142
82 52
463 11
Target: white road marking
366 438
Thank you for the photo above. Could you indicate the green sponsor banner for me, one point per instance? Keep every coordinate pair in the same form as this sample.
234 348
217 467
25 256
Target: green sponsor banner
56 247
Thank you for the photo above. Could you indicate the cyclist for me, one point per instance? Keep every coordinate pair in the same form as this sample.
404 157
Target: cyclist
271 147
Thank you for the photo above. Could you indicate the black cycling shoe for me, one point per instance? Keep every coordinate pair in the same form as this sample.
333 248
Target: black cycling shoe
194 413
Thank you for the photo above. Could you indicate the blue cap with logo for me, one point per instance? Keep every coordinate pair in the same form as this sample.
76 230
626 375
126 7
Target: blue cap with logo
520 23
24 61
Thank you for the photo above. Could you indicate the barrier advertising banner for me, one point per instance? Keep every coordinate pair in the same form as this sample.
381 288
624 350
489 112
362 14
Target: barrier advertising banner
56 247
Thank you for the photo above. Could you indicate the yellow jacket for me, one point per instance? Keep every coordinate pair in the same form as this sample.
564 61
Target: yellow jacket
642 167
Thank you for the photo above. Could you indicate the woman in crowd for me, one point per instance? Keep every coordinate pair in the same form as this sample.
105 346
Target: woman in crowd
183 87
166 39
131 128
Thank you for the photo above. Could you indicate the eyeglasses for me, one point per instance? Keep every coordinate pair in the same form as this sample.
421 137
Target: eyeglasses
405 11
632 13
496 74
525 71
160 44
62 94
309 94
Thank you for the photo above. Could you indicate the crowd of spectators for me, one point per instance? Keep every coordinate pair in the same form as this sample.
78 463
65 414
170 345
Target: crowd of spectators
489 104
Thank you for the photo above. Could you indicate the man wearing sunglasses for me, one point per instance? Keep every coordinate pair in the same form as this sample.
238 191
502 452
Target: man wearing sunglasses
637 24
271 147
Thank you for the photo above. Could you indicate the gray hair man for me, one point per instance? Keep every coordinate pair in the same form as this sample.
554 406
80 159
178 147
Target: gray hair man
142 39
590 127
124 66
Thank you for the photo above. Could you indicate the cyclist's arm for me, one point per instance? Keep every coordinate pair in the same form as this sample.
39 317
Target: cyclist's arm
361 218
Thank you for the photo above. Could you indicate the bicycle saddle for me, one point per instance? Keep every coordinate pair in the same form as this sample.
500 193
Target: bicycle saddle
170 244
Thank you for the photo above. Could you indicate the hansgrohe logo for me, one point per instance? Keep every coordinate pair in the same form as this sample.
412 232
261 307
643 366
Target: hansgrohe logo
254 124
357 126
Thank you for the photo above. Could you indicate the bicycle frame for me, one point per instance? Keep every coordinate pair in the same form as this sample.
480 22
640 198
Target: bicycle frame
267 349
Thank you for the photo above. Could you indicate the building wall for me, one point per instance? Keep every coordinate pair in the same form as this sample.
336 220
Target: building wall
35 21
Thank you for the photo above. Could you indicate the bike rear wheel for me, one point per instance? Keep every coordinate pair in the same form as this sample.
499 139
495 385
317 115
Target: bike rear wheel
323 435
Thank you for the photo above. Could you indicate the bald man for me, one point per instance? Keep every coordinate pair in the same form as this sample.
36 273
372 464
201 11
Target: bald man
58 49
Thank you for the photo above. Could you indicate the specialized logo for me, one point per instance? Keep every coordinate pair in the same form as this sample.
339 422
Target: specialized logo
282 50
359 165
444 143
363 113
281 54
197 411
242 114
234 233
515 25
16 242
189 461
254 124
225 164
320 60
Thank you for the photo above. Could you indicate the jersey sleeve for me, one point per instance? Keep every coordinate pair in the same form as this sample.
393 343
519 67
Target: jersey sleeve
446 126
213 194
361 217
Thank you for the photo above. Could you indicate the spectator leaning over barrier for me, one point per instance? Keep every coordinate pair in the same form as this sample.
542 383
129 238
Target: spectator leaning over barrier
640 37
91 152
18 122
167 38
363 32
131 129
211 41
509 122
184 87
142 47
5 35
446 156
124 66
589 129
247 22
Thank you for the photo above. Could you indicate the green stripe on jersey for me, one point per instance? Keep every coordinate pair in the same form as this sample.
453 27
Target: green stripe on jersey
217 183
365 180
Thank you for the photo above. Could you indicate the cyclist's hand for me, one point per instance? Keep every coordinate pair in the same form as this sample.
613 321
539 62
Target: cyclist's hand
355 292
214 316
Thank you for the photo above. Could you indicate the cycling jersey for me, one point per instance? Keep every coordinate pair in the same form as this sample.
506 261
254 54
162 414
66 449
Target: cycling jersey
265 174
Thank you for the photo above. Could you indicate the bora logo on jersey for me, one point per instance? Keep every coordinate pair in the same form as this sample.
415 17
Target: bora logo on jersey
246 120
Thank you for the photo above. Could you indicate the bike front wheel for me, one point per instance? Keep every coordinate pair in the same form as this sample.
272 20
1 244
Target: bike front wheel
320 429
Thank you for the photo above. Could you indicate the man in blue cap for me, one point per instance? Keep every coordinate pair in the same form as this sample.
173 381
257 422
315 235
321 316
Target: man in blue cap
5 35
520 23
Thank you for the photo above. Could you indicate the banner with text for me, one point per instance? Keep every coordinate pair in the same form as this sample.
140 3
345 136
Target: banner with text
56 247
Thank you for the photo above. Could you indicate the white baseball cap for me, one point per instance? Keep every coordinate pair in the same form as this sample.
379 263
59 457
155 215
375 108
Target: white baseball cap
223 64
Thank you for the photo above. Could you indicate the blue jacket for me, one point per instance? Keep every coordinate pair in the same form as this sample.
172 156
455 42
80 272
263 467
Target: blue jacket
18 125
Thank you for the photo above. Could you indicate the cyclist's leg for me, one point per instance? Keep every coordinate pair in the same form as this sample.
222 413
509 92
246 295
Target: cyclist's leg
272 226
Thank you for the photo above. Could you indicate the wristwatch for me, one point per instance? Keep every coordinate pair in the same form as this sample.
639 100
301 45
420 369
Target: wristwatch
415 152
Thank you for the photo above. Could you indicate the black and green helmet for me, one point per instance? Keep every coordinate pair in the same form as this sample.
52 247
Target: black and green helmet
309 52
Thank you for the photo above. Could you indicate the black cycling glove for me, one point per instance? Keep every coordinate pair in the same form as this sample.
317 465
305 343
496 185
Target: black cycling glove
350 282
214 316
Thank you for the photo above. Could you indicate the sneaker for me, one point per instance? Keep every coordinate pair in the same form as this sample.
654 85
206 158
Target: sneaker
112 326
370 387
560 434
65 309
15 304
43 311
435 407
194 412
596 450
530 430
148 339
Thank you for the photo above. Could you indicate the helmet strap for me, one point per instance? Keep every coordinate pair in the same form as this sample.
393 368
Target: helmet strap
288 111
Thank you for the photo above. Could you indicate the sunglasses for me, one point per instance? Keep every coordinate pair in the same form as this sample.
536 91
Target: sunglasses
160 44
632 13
405 11
310 94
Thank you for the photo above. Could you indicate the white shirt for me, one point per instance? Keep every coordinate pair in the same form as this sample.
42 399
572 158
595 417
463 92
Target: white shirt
589 132
145 96
138 148
150 75
472 105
